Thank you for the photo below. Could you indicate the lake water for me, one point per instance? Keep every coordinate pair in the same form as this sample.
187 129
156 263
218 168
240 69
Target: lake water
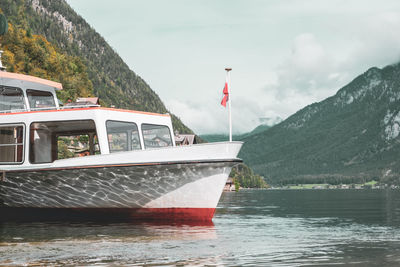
250 228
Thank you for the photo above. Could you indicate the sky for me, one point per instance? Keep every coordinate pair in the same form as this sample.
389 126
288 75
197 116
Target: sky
284 54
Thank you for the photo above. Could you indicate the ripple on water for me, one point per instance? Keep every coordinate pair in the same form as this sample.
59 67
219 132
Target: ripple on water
280 228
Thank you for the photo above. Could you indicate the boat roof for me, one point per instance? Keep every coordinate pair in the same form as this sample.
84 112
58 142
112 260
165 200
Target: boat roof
87 108
28 78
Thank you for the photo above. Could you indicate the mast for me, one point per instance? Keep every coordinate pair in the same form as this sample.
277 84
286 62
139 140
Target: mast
228 78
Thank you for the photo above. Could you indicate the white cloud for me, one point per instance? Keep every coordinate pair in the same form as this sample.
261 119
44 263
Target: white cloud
315 69
311 71
307 53
308 74
202 119
285 54
213 118
378 41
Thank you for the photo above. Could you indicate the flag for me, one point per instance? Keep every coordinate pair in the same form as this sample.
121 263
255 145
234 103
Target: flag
226 94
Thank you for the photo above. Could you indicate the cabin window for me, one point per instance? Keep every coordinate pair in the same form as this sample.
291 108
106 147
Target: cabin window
156 135
11 144
122 136
11 99
50 141
39 100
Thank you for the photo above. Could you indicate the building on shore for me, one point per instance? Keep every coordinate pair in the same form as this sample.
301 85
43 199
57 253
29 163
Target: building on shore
230 185
185 139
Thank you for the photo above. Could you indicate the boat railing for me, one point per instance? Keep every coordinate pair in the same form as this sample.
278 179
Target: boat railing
70 106
79 106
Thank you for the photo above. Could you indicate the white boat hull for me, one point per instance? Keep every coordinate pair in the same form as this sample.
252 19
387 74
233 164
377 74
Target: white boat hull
173 190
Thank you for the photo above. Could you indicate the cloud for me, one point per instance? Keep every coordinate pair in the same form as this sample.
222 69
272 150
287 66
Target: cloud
213 118
378 41
202 118
285 54
312 70
307 53
309 73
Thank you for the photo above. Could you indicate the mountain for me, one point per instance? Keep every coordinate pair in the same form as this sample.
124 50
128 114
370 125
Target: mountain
260 128
350 137
212 138
111 78
236 137
34 55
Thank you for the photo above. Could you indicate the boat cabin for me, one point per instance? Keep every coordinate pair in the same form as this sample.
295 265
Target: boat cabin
36 129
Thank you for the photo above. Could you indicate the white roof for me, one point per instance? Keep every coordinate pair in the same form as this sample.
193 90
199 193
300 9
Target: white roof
28 78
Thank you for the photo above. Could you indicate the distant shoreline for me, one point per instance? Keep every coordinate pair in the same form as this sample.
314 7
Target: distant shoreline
368 185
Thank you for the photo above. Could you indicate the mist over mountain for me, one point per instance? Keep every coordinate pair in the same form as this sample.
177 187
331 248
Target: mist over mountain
350 137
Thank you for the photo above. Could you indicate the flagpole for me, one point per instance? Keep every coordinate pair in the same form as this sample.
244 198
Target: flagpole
229 102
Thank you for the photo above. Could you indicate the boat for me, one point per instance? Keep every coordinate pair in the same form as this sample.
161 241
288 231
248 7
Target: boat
104 163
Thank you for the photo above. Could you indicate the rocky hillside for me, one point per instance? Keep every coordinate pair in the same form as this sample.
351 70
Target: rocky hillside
112 79
350 137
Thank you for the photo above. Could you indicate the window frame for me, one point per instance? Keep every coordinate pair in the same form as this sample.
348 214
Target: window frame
162 125
42 91
31 142
23 142
138 131
25 107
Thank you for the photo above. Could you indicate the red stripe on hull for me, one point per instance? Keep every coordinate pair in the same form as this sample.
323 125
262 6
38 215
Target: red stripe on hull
179 214
108 214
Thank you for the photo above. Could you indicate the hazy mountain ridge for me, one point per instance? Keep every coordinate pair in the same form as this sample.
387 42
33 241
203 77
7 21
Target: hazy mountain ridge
235 137
353 135
112 79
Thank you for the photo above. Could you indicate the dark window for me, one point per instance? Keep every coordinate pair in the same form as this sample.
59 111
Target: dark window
39 100
11 99
122 136
11 144
54 140
156 135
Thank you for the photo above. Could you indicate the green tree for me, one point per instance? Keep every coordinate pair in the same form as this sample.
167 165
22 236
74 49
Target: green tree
246 177
34 55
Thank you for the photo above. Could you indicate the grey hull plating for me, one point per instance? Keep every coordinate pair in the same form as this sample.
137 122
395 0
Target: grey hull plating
102 187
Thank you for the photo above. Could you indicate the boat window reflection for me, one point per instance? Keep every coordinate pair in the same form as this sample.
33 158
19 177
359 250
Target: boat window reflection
11 99
156 135
122 136
72 146
50 141
39 100
11 144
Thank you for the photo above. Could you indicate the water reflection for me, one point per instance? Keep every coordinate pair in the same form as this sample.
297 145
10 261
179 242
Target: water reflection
318 227
86 242
63 231
364 206
253 228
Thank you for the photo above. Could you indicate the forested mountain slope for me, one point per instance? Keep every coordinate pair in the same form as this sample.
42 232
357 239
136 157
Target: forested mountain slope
349 137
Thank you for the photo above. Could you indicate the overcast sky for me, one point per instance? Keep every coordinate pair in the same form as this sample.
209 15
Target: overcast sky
285 54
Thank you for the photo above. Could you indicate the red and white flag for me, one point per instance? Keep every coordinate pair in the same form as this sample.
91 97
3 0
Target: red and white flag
226 93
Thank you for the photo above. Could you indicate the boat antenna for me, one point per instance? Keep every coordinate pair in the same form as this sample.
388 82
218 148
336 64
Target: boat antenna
3 31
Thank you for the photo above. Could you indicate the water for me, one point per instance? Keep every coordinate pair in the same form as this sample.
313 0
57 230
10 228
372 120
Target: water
250 228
